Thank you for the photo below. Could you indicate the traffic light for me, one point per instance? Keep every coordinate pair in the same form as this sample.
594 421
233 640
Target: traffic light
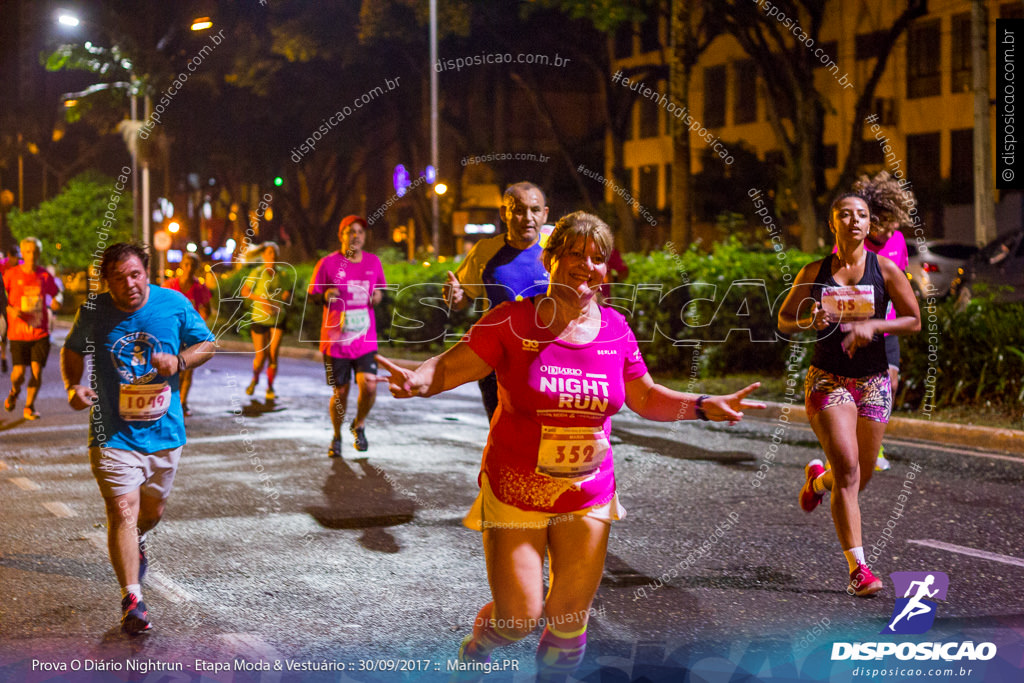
278 181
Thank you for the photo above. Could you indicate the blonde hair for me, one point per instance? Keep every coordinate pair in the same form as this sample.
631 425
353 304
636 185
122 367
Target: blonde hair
33 240
579 225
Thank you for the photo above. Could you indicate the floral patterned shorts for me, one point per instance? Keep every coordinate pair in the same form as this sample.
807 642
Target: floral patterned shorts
872 394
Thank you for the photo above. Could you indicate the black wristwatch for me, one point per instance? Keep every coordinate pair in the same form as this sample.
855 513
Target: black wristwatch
699 410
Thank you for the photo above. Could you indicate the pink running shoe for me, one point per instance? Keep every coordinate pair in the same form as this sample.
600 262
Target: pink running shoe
863 582
808 498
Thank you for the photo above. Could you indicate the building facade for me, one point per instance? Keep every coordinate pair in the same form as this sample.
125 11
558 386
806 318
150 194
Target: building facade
921 116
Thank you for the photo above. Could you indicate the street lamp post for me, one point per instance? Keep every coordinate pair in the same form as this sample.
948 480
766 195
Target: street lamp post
141 210
435 207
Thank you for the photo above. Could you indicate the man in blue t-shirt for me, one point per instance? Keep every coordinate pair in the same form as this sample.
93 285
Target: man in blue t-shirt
504 267
140 337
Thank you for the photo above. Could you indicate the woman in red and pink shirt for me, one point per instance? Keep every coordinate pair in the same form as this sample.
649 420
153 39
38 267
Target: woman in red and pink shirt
565 365
199 295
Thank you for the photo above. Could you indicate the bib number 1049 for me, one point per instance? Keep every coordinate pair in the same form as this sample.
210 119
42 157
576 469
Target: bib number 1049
144 403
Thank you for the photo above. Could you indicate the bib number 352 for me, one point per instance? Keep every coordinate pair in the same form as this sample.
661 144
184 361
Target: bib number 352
571 452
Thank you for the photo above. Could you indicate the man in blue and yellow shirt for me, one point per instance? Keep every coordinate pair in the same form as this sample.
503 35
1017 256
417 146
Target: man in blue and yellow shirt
505 267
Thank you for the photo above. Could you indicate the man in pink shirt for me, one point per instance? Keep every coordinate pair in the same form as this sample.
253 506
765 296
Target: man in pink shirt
31 290
349 283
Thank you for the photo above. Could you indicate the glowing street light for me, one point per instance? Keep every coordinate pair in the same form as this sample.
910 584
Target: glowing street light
440 188
68 19
201 24
173 227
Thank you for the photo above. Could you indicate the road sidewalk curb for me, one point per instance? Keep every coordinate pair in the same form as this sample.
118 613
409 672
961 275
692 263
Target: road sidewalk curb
1009 441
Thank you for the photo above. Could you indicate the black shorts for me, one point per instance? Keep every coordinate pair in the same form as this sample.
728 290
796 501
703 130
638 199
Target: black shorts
27 352
342 368
892 351
256 328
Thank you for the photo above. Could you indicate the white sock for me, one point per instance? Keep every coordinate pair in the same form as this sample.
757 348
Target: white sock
142 540
819 484
133 589
854 556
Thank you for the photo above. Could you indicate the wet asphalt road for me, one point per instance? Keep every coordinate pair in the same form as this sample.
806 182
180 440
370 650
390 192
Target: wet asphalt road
272 554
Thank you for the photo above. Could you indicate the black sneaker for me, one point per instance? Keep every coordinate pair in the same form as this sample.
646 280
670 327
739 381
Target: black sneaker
136 616
361 443
335 450
143 562
3 364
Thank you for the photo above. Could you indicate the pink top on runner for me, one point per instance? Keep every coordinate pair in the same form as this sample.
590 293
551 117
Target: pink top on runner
199 294
548 448
348 329
895 249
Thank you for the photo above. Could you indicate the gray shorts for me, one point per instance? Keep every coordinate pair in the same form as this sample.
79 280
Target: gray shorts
118 471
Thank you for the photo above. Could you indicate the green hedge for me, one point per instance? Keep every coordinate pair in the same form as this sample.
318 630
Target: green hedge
728 301
661 288
974 356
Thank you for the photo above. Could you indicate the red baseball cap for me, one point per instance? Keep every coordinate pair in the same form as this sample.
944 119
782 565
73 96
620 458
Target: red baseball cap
349 220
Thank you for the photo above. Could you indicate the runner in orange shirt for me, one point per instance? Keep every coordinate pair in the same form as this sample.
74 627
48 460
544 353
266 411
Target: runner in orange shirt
30 291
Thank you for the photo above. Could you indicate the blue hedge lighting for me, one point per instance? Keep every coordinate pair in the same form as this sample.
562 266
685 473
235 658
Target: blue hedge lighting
430 174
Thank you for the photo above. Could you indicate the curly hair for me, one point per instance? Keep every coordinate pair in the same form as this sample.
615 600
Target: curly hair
884 194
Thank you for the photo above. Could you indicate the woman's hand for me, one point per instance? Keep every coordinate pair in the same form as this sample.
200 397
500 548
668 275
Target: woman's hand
403 382
860 335
730 406
820 318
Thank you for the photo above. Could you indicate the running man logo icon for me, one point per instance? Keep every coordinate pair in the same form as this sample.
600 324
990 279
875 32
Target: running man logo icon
914 613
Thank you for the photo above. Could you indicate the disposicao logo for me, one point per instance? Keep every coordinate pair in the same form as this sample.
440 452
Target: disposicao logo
915 612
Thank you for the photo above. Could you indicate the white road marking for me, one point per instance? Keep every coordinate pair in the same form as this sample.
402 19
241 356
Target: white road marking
60 509
256 437
155 580
83 427
963 550
25 484
250 643
167 587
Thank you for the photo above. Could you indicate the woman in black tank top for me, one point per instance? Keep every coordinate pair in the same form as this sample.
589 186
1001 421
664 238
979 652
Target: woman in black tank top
843 297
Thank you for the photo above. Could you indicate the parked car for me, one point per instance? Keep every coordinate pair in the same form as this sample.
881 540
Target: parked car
997 269
934 264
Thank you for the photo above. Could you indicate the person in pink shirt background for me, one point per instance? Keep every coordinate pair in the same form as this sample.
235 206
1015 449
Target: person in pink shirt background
349 282
564 365
889 203
199 295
